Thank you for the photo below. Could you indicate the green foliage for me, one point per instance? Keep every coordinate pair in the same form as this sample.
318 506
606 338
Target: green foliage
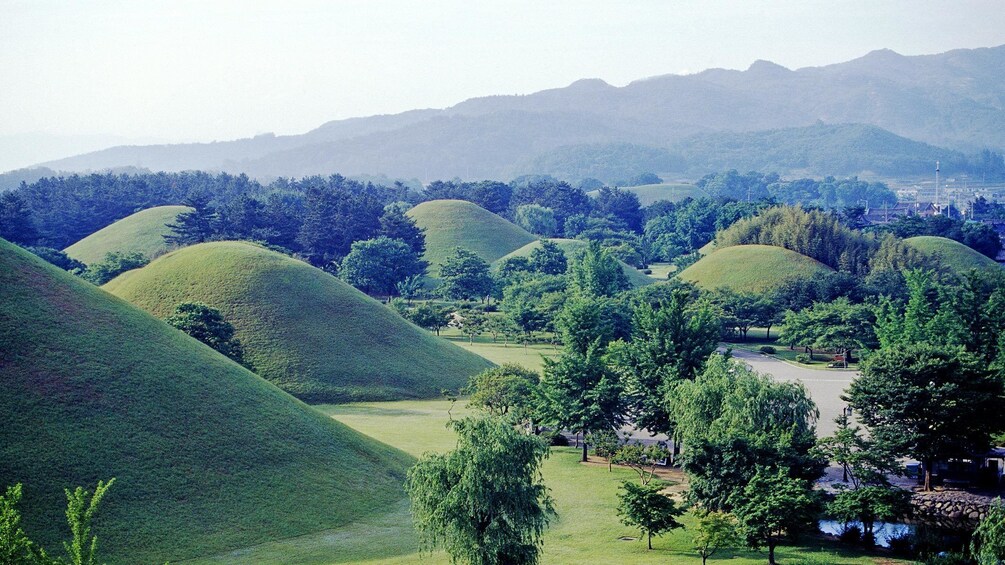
548 258
838 325
484 502
378 266
646 507
509 390
395 224
536 219
585 320
533 303
81 507
306 331
449 224
597 273
743 310
471 323
112 266
670 341
868 505
123 394
733 421
194 226
928 402
142 232
59 259
15 547
642 459
750 268
605 443
17 223
714 531
988 543
208 326
774 504
812 233
430 316
581 393
465 276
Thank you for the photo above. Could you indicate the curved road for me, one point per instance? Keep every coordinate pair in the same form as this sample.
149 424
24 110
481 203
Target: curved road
824 385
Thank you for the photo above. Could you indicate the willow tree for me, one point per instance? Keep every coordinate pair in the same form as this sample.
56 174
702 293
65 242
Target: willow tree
484 502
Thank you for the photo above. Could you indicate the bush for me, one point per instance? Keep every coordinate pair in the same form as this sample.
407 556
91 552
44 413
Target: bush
767 349
647 271
851 535
803 358
902 544
558 440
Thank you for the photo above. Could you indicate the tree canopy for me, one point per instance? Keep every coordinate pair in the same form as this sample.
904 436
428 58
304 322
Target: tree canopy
483 502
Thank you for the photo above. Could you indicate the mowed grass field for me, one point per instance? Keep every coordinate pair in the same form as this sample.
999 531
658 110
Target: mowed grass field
573 247
750 268
649 193
207 456
457 223
142 232
308 332
958 257
586 530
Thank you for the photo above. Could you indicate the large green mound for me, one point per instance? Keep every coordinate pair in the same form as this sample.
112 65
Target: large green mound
458 223
311 334
207 455
650 193
750 268
572 247
142 232
955 255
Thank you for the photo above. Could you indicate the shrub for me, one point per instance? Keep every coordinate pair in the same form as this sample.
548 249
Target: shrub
647 271
803 358
767 349
902 544
851 535
558 440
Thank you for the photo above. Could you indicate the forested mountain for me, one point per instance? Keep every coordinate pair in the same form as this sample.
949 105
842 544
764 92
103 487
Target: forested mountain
954 100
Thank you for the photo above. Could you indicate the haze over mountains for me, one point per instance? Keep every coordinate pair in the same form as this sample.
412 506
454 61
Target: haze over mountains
909 109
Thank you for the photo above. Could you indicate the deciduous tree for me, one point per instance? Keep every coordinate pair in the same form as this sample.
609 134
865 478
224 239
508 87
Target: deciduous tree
484 502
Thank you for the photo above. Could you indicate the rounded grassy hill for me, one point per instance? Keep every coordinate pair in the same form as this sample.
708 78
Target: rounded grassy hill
571 247
650 193
207 456
142 232
458 223
308 332
750 268
955 255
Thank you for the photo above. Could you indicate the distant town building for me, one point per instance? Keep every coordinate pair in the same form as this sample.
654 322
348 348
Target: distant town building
887 214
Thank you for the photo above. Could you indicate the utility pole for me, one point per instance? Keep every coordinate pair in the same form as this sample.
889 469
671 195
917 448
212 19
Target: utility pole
938 210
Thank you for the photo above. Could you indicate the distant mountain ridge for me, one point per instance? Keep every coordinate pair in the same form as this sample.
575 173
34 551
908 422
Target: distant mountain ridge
954 100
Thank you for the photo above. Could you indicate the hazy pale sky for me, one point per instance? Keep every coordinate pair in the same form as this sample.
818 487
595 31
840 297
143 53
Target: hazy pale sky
204 70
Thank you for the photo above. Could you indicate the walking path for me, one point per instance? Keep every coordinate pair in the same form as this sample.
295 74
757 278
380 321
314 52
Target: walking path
824 385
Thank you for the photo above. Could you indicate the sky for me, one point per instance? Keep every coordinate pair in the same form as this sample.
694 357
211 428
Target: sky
87 74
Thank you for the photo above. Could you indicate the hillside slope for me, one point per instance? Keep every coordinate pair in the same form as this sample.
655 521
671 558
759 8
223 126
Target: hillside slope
573 246
458 223
207 455
142 232
750 268
311 334
955 255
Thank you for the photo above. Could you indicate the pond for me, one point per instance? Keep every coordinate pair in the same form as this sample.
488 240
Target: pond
885 531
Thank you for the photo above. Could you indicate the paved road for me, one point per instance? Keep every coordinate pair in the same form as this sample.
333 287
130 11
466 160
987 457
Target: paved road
825 386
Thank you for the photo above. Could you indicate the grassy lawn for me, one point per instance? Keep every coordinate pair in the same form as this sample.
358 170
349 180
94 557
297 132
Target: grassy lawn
529 356
586 530
757 337
661 270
